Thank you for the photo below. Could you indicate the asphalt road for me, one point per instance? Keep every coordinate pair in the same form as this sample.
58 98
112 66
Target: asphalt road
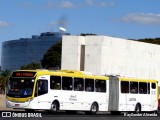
20 115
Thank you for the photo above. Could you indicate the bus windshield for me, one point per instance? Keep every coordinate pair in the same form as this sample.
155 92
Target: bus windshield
20 88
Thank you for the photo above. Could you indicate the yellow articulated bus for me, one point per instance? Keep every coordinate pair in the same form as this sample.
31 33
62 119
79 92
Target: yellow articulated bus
79 91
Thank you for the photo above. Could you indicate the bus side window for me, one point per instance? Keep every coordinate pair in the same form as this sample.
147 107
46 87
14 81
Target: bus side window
134 87
148 88
153 86
124 87
89 85
67 83
142 88
42 87
55 82
100 85
78 84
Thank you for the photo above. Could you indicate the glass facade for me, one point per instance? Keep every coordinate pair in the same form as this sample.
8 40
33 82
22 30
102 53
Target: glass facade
17 53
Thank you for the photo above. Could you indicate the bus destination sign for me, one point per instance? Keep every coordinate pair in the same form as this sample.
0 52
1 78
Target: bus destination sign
23 74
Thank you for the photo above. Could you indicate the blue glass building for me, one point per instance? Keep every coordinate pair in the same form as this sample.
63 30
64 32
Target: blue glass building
17 53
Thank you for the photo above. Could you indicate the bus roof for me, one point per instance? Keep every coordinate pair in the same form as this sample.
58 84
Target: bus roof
67 73
136 79
80 74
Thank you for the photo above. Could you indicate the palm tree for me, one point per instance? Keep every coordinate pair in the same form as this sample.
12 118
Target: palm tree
4 78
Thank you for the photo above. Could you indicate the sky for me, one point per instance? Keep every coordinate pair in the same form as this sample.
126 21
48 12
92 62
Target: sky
128 19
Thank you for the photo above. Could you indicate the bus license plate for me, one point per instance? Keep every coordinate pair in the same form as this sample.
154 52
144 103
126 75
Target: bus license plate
17 105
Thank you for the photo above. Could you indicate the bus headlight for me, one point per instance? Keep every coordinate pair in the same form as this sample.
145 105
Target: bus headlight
29 100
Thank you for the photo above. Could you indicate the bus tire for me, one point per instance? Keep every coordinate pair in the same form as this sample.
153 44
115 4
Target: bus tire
155 111
94 108
138 108
54 107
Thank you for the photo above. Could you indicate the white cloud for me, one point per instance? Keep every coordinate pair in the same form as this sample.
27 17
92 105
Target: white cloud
106 4
50 4
90 2
67 4
142 18
100 3
4 24
70 4
57 4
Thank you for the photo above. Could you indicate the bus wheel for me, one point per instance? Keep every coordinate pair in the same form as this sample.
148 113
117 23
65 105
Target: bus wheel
138 108
54 107
94 108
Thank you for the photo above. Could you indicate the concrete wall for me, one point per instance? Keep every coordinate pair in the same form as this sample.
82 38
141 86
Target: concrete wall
109 55
71 52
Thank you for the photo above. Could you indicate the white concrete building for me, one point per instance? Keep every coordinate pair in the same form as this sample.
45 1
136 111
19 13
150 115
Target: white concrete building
109 55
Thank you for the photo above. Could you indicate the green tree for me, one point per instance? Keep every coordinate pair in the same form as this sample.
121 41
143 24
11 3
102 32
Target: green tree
52 58
31 66
4 77
150 40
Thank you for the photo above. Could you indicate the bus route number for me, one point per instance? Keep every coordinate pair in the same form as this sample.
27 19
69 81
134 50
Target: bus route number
23 74
73 98
132 99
